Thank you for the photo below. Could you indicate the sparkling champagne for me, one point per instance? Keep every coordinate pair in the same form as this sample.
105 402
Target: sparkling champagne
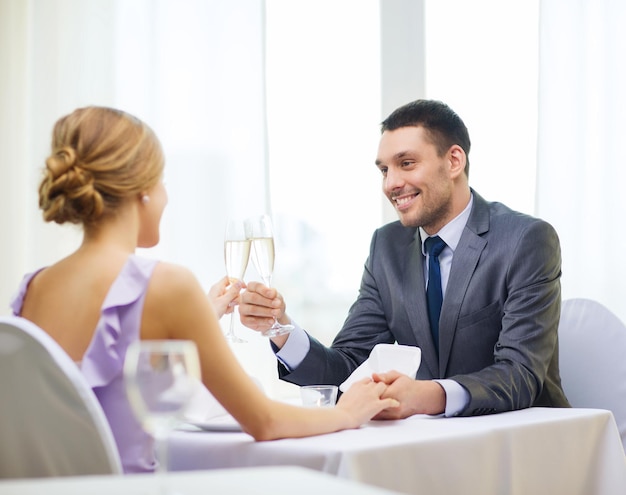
236 255
263 257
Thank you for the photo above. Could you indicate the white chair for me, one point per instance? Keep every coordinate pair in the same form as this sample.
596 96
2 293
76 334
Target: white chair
592 358
51 423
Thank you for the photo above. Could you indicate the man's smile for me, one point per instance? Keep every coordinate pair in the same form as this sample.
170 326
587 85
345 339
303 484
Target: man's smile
404 201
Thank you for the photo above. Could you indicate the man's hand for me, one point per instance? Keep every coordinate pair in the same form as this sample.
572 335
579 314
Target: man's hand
415 396
259 305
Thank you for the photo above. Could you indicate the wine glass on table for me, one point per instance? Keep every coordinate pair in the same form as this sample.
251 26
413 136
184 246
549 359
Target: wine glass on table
260 232
160 378
236 255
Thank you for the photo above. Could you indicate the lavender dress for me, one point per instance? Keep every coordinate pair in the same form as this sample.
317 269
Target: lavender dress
102 364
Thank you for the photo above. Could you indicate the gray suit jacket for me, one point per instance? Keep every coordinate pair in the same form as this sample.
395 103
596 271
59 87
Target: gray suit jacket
498 324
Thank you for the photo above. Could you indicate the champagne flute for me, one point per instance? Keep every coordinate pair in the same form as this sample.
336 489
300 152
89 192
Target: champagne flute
236 255
160 377
259 231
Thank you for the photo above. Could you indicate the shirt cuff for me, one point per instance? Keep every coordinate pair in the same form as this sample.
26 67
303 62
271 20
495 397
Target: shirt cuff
457 397
295 349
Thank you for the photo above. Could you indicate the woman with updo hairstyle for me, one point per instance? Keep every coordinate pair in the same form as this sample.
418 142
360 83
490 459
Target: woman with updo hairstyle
91 172
105 172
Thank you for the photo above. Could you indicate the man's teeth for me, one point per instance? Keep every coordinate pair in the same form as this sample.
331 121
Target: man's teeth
403 201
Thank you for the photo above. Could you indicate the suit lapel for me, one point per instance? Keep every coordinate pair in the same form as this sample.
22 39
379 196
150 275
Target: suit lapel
464 264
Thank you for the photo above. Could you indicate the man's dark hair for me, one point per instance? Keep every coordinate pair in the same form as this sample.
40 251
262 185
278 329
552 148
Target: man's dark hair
441 123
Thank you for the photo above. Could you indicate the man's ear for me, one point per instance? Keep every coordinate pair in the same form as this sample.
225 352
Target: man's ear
458 160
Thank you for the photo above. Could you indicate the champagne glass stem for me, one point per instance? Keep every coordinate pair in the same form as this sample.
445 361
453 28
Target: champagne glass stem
277 328
160 440
161 437
231 336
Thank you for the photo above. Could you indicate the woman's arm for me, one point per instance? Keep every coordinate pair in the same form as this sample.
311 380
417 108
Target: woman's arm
177 308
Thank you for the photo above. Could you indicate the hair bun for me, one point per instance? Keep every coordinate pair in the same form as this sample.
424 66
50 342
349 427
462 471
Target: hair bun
61 161
67 192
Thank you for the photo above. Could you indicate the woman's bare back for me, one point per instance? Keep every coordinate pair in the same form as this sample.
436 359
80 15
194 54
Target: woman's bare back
65 299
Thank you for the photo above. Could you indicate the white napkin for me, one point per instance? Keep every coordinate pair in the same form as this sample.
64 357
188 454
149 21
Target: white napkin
386 357
204 407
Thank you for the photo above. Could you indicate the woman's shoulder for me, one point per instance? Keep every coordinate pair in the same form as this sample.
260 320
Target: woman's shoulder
17 301
171 280
173 273
174 294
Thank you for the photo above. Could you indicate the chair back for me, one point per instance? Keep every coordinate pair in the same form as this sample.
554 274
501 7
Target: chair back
592 358
51 423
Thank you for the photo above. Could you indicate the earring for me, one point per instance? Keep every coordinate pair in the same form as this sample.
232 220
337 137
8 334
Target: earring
145 199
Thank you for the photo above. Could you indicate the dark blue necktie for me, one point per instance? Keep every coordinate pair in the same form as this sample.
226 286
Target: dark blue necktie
434 294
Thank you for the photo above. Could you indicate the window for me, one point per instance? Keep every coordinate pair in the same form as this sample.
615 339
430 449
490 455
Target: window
323 107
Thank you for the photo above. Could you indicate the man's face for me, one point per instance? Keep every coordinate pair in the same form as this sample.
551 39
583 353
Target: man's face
416 180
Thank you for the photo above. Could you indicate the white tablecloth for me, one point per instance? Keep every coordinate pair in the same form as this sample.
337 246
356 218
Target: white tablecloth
257 481
533 451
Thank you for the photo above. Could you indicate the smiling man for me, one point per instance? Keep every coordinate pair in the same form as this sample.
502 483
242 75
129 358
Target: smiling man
474 284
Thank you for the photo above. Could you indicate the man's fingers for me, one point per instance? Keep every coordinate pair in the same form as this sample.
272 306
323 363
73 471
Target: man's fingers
387 377
259 288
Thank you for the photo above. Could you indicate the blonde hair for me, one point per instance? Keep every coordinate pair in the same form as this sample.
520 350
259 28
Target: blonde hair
100 157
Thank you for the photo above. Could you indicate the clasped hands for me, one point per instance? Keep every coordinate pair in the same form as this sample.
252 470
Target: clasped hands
259 305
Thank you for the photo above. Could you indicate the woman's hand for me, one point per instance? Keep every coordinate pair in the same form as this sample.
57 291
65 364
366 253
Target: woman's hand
224 295
416 396
363 400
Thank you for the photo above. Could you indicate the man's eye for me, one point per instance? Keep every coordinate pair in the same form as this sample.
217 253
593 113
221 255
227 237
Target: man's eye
406 163
384 172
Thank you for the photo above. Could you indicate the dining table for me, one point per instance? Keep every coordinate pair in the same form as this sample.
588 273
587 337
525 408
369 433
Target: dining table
531 451
253 481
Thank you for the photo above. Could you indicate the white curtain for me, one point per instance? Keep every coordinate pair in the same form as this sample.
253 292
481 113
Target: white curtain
581 150
192 69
